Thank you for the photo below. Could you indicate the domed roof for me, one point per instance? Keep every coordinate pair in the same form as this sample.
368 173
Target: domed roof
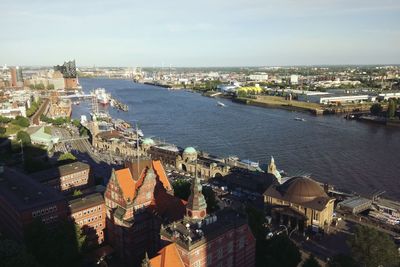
148 141
301 190
190 150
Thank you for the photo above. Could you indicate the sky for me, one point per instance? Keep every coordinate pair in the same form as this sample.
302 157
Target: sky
200 33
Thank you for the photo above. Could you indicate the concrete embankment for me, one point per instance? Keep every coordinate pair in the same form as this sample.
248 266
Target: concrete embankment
272 104
314 108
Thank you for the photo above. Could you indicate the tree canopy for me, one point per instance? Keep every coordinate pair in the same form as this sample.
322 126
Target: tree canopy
342 261
182 190
66 157
60 245
24 137
376 109
13 254
21 121
4 119
391 112
311 262
278 251
371 248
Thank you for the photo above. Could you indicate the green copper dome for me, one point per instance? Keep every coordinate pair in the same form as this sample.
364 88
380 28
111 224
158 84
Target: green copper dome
190 150
148 141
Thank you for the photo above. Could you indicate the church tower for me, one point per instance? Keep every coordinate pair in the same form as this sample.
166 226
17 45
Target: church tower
273 170
196 208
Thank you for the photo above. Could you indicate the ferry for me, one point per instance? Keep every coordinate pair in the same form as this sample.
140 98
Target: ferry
299 119
250 163
221 104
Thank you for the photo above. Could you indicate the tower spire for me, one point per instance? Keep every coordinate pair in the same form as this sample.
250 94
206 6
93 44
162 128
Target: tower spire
273 170
196 208
146 261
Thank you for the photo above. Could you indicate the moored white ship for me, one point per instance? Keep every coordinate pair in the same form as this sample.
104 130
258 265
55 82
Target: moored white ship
102 96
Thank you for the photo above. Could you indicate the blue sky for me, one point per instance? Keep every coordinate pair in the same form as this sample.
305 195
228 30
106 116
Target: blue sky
200 33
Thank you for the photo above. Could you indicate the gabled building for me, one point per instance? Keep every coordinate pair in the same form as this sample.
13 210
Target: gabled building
139 198
220 239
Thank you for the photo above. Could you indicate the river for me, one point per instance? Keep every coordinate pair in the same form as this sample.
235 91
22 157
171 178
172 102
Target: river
351 155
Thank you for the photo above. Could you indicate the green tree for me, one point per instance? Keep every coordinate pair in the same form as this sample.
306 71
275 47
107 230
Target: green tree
182 190
32 86
61 245
311 262
66 157
391 108
50 87
40 86
24 137
256 219
83 131
376 109
76 123
342 261
209 195
4 119
13 254
77 193
2 130
21 121
278 251
371 248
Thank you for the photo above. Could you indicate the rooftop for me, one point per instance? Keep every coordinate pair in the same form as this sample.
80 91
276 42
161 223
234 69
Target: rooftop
189 235
168 256
85 202
300 190
62 170
23 192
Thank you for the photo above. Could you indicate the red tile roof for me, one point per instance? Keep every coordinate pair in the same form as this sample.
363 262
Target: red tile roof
168 256
159 170
127 184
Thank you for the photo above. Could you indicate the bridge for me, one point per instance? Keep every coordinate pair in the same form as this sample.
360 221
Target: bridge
76 96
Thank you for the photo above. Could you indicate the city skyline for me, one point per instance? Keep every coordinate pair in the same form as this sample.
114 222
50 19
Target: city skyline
181 34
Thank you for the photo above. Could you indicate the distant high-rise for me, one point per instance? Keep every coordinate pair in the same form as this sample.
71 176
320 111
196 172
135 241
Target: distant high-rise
68 70
13 80
20 78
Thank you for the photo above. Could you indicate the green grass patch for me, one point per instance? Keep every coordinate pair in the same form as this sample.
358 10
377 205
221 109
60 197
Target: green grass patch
12 129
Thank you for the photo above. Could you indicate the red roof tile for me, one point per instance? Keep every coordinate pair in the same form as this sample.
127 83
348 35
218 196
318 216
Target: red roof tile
168 256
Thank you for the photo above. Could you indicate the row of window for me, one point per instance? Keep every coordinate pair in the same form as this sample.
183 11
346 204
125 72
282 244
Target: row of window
86 221
88 211
75 182
44 211
50 219
69 176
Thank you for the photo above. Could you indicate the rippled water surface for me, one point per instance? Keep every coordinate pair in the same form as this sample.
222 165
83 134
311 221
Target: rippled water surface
352 155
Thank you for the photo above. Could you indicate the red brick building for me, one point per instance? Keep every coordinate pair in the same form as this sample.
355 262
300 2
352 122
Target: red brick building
89 213
139 198
22 199
66 178
221 239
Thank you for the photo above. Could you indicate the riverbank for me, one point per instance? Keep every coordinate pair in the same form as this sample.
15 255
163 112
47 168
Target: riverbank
279 102
314 108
